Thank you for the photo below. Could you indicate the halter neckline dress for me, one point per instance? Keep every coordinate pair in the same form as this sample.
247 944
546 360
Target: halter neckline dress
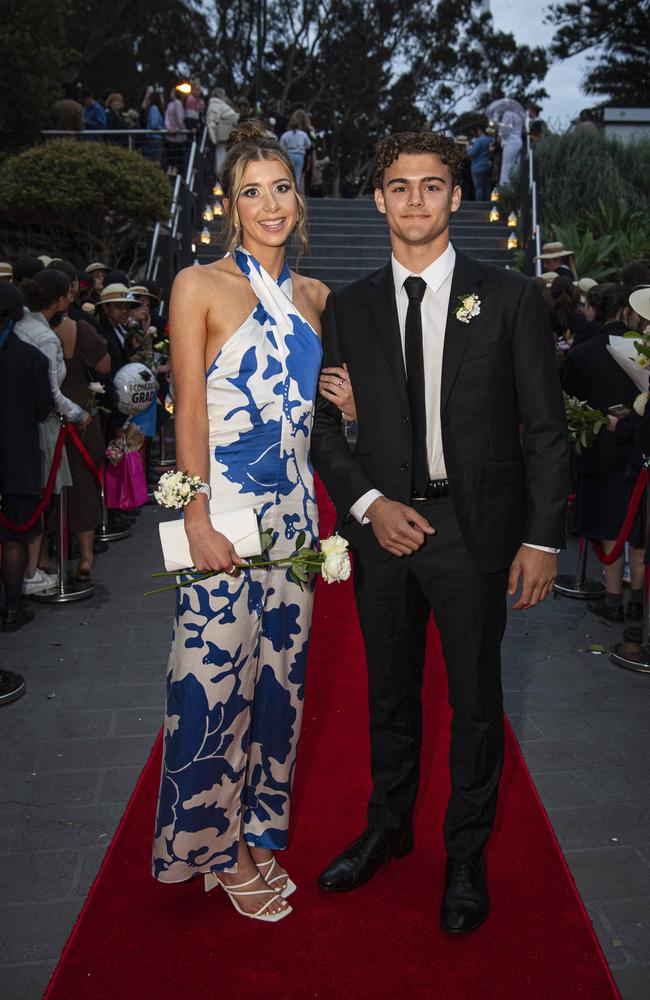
236 670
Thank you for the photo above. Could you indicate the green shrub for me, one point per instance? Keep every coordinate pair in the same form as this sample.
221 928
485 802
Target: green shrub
577 168
97 197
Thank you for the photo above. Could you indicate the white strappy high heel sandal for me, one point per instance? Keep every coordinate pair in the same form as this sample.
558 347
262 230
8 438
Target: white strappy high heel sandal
269 878
211 882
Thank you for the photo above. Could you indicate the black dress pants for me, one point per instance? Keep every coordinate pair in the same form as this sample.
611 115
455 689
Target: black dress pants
394 601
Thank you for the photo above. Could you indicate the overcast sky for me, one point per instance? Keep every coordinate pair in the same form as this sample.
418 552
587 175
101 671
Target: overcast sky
525 19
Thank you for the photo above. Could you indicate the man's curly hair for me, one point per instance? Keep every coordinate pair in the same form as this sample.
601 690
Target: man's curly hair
389 148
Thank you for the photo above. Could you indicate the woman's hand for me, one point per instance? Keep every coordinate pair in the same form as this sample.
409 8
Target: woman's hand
334 385
212 550
84 421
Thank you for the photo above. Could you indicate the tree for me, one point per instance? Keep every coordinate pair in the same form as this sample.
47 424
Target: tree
617 32
33 56
125 46
95 200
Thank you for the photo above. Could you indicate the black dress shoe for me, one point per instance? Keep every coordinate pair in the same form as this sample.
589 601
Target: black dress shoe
465 903
604 610
634 611
13 620
359 862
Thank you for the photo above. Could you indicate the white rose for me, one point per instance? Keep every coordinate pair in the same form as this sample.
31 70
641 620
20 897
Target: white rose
640 403
469 302
97 388
184 489
332 545
336 567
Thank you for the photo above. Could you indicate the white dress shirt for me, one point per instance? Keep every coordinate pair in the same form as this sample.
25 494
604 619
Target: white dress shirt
434 310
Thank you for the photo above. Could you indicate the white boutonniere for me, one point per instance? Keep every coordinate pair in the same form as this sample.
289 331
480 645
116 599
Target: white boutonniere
469 306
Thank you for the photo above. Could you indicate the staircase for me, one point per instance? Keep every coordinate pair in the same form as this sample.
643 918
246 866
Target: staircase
349 238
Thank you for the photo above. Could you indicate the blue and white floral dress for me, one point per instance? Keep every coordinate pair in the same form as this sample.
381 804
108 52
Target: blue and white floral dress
236 671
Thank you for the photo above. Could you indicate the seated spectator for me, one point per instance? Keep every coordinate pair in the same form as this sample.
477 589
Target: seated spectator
25 400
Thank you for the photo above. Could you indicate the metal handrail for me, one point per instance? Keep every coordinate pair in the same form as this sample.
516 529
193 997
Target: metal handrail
536 230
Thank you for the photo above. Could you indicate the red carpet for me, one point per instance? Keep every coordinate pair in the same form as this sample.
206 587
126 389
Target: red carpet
138 939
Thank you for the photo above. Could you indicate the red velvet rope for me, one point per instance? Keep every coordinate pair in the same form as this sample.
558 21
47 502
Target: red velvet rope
639 489
98 475
47 492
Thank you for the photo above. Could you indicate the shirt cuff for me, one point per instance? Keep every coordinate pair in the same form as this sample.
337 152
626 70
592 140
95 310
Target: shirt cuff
541 548
358 509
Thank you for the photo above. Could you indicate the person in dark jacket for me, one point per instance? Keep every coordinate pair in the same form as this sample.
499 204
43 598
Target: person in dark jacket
479 153
25 399
602 491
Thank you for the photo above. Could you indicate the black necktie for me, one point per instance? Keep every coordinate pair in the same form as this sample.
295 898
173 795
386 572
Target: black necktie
415 289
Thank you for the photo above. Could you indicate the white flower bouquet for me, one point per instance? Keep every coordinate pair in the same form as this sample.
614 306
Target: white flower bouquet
176 489
331 559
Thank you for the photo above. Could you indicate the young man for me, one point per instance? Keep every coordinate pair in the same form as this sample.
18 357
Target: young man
446 505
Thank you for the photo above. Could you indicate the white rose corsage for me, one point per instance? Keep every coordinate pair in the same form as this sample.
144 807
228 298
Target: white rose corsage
177 489
469 306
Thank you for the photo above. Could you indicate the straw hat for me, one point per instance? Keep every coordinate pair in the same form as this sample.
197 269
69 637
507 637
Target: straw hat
640 302
96 266
118 293
552 250
584 284
6 270
44 259
139 290
549 276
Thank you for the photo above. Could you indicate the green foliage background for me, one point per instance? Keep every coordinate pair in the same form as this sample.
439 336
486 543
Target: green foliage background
97 199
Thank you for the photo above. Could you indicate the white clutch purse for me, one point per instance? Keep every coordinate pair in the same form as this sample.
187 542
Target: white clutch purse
239 526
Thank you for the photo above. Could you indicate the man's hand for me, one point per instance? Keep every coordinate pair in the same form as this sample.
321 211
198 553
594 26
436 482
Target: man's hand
537 571
399 529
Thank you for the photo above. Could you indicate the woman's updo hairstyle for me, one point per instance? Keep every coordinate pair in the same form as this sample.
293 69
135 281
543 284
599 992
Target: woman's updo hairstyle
251 141
43 290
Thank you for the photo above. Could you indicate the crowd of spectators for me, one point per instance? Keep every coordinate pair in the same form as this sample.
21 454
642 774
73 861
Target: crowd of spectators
587 318
65 334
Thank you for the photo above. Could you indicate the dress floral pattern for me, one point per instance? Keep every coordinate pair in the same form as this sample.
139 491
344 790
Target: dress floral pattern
236 671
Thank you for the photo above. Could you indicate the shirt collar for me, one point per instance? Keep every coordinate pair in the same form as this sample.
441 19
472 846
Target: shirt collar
435 274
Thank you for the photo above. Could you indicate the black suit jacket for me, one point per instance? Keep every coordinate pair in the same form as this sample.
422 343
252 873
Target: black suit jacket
592 374
498 372
25 400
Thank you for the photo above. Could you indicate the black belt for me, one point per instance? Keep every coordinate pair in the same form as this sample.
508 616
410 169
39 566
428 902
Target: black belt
434 489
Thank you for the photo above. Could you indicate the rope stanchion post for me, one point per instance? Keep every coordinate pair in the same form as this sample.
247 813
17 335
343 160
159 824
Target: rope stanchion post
579 585
164 462
65 590
105 533
630 655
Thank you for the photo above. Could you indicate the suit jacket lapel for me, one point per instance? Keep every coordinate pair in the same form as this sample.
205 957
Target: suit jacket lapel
380 299
467 276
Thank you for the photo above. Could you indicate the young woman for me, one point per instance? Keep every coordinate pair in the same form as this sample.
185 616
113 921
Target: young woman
246 356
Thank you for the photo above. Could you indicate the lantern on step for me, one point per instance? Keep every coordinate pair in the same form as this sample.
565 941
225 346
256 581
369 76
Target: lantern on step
513 243
512 220
494 214
208 214
205 236
217 190
217 209
495 194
